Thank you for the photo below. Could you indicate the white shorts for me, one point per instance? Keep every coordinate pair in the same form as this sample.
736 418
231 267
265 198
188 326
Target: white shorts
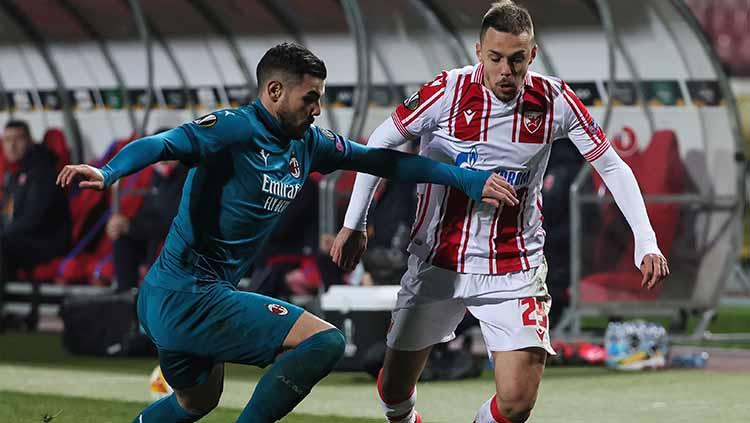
512 308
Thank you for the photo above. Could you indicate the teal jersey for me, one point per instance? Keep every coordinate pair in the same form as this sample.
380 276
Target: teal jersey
244 173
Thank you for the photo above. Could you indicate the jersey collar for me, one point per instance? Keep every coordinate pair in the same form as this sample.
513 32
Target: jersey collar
270 122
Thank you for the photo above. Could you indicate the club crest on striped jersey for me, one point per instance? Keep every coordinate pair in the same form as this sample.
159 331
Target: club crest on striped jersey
294 167
532 120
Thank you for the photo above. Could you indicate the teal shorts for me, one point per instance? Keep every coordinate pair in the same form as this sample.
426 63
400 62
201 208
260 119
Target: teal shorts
195 331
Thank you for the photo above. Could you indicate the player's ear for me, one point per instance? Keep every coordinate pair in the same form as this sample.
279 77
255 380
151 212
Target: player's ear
478 49
533 54
275 89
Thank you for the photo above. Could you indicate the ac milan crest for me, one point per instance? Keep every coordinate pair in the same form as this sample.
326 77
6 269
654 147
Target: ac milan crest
294 167
277 309
532 120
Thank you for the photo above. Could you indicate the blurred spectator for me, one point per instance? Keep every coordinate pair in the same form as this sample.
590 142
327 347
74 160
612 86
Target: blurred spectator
137 241
564 164
389 229
34 213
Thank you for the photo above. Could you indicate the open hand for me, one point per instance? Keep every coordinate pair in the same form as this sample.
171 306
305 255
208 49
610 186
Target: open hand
87 177
348 248
497 192
654 269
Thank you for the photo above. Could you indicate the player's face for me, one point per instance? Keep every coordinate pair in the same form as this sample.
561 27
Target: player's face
506 58
300 105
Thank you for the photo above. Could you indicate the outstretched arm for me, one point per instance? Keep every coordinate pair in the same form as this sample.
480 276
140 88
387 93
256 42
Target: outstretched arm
621 182
385 136
591 141
188 143
478 185
169 145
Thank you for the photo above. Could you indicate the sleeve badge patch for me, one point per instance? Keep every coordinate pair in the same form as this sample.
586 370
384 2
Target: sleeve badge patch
329 134
412 102
206 121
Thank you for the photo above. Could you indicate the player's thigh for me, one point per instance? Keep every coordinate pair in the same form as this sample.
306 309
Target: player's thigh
185 370
427 309
205 396
248 328
306 326
517 376
513 324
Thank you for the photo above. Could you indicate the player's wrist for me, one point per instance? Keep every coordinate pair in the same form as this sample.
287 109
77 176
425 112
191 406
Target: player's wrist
355 224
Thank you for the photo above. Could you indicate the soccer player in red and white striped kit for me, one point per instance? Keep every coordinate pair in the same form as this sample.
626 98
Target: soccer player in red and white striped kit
496 115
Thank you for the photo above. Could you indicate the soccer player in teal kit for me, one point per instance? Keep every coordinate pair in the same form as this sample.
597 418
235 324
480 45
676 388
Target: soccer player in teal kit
247 165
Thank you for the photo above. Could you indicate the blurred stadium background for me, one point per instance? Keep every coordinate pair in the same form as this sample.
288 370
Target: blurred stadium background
668 80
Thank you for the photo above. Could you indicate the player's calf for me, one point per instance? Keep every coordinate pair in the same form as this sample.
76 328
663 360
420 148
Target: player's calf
292 376
398 410
497 411
186 405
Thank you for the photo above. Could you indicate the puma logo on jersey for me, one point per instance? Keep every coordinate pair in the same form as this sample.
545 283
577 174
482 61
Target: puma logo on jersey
265 156
469 115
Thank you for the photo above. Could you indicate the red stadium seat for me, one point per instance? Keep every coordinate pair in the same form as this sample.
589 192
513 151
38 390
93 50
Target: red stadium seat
88 260
623 281
54 139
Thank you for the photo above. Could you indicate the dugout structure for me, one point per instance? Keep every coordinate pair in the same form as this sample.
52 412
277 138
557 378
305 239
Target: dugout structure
106 69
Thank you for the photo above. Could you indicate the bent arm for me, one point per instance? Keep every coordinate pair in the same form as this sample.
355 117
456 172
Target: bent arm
385 136
621 182
168 145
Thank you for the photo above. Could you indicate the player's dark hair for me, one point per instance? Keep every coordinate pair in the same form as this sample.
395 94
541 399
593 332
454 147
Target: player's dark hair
506 16
291 59
19 124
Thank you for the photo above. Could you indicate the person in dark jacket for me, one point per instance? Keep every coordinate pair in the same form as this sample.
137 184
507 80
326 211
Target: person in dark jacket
137 240
36 222
564 164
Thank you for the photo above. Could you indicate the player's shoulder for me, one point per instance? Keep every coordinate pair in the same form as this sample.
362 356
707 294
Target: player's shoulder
545 83
453 75
320 135
224 118
448 78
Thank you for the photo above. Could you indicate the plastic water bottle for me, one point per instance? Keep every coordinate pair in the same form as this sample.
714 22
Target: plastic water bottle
696 360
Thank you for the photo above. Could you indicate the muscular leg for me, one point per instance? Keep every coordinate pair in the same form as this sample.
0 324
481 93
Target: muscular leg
397 383
517 378
401 370
315 347
187 405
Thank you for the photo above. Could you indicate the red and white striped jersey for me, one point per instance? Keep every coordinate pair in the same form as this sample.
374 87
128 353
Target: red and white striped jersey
461 121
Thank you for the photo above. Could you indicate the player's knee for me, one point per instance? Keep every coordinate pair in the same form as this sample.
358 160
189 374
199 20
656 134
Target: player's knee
199 404
328 347
335 344
516 409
